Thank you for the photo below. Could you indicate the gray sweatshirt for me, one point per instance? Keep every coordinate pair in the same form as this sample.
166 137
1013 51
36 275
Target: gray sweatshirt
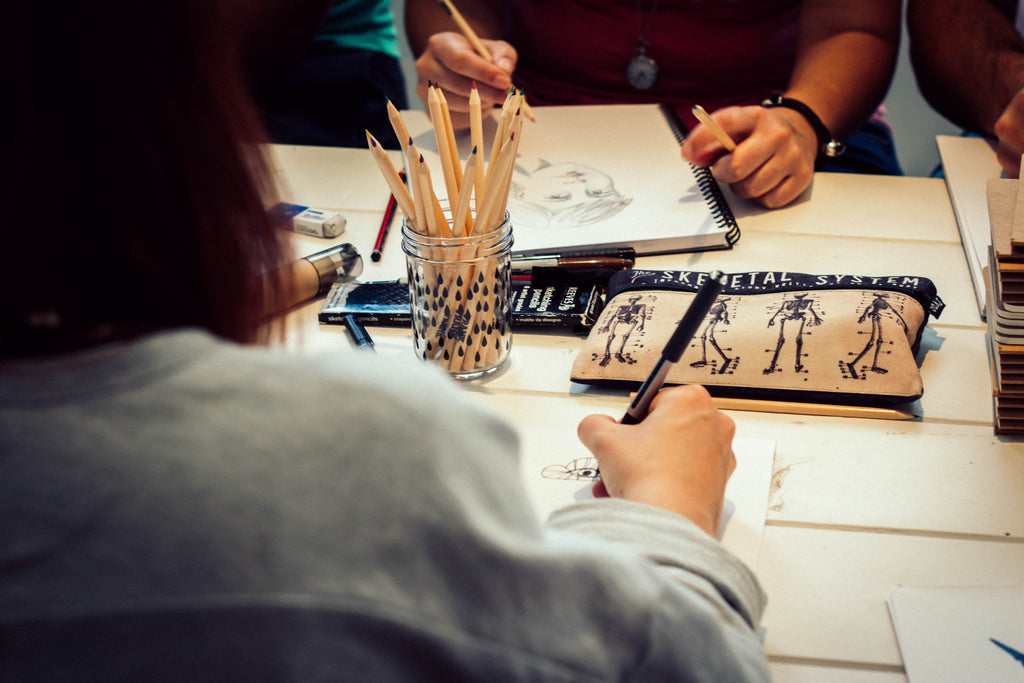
181 508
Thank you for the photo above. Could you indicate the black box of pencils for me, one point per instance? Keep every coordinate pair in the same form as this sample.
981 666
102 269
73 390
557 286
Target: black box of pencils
569 308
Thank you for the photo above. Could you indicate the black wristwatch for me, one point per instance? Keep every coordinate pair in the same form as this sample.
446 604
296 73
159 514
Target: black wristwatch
827 144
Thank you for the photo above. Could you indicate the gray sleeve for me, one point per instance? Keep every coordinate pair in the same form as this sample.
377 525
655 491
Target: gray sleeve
704 586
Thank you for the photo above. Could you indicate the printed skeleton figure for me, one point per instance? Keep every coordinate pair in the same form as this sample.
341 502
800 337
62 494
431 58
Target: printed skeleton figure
719 313
627 318
797 308
875 311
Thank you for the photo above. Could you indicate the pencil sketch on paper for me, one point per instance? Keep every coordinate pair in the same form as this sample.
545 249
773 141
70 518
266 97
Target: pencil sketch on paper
875 313
622 323
717 316
797 312
564 194
580 468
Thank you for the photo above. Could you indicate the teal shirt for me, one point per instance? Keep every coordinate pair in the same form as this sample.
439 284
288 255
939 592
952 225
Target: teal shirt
360 24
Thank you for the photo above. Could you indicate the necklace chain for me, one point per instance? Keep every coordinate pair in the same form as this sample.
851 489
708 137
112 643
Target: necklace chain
643 27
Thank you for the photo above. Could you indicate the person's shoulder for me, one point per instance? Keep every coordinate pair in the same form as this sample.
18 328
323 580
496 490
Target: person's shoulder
343 371
380 387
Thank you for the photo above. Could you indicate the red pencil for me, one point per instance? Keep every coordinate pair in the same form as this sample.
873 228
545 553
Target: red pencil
385 224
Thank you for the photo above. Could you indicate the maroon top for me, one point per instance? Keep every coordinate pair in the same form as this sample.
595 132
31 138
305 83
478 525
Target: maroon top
710 52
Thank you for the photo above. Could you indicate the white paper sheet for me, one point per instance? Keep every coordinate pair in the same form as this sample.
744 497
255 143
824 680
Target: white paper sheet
948 634
968 164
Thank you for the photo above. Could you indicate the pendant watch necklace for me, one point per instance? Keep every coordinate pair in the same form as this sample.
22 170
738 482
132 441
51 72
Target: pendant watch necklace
642 71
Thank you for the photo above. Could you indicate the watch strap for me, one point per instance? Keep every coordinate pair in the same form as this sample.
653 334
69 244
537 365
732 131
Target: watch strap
827 144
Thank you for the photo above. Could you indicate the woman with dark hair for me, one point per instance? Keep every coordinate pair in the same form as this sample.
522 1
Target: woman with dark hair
179 505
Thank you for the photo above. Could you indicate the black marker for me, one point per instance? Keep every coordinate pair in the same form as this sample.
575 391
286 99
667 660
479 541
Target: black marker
360 337
685 330
612 252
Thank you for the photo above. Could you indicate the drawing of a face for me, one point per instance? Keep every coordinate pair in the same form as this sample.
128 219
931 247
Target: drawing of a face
558 185
564 194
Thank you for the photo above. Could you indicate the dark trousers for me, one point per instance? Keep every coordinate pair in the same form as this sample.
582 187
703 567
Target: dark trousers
869 149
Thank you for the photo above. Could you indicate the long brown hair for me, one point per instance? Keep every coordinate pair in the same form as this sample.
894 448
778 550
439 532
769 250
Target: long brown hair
133 188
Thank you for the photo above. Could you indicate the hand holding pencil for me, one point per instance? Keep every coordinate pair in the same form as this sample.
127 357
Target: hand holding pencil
767 155
455 56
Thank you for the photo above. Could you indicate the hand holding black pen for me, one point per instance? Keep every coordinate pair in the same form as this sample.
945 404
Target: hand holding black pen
679 458
677 343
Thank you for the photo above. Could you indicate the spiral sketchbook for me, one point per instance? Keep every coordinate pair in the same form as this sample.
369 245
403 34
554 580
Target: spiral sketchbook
602 176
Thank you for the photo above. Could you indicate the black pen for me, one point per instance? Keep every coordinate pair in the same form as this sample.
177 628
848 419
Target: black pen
684 332
360 337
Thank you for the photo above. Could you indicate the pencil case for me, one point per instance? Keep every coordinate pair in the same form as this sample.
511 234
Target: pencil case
769 335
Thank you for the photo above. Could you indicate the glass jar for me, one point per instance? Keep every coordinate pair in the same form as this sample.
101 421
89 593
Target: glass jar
461 306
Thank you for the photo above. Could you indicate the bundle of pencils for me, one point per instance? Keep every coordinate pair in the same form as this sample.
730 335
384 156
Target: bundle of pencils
485 183
460 333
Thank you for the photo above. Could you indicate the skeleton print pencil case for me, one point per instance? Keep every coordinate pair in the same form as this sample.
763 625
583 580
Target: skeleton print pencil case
769 335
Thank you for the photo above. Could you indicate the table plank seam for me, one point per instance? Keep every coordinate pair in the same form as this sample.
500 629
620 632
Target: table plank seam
835 663
892 531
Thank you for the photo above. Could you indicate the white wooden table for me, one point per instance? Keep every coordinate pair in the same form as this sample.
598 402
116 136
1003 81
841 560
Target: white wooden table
856 505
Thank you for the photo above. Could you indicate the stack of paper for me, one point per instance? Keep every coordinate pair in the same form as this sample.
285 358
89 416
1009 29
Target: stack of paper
968 162
1005 290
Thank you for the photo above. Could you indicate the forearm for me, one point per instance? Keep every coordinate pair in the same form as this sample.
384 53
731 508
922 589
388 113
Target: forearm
846 56
423 18
968 58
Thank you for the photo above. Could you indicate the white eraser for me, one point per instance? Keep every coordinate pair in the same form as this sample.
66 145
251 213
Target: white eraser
319 223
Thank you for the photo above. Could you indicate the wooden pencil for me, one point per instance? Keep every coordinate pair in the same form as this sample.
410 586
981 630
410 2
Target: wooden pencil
417 188
466 30
823 409
500 136
393 179
500 169
453 147
715 129
441 137
476 133
398 125
462 221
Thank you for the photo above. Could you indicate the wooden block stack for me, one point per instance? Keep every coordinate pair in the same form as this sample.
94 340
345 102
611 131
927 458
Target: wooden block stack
1005 290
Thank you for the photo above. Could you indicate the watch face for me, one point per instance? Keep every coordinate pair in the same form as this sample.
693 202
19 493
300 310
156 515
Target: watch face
642 72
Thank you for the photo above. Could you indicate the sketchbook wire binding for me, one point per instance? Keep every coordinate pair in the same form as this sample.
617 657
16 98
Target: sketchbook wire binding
709 188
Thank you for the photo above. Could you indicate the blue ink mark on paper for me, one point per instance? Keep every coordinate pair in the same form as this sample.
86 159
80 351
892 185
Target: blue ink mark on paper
1019 656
